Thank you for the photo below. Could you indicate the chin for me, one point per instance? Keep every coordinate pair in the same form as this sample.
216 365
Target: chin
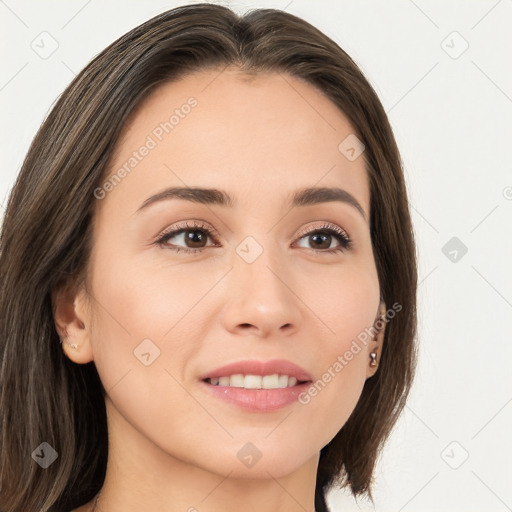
250 462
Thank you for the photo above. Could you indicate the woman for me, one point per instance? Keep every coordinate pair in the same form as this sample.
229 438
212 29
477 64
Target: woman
213 223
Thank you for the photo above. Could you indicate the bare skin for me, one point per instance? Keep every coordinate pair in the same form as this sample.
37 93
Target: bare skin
173 445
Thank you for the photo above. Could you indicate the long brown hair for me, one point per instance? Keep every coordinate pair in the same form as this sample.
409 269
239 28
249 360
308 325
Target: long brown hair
46 240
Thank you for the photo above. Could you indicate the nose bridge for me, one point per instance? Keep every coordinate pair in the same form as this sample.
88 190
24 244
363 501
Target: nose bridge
258 263
260 291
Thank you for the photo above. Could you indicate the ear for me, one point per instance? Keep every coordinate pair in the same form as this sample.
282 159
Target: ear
70 314
376 344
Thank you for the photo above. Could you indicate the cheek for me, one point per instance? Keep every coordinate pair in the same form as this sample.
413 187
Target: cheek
146 327
146 296
346 301
333 395
348 307
146 306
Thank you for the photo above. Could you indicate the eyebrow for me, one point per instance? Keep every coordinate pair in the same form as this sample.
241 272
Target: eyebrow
212 196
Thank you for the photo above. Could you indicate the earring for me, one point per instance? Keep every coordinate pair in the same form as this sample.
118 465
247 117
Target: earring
373 359
74 346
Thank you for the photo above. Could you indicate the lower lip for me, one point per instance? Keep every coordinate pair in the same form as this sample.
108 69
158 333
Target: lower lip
259 400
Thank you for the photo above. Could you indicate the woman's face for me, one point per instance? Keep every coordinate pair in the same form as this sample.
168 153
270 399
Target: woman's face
257 278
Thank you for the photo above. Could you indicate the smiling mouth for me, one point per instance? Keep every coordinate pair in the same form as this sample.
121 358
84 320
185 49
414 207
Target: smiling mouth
239 380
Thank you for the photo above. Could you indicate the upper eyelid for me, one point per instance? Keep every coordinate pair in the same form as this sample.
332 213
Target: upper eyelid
213 233
326 225
193 225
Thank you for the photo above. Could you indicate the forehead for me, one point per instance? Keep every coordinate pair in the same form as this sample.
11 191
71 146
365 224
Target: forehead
258 136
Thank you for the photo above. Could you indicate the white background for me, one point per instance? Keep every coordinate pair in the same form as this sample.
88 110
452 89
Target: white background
451 113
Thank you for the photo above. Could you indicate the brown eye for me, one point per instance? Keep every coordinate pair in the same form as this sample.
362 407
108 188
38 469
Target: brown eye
193 238
188 239
321 239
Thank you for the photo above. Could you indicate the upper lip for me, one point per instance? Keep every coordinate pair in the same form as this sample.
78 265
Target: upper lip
254 367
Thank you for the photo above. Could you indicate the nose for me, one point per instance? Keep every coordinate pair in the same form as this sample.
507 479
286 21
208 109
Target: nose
261 299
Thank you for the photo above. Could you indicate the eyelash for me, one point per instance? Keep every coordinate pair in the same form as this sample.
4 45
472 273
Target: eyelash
330 229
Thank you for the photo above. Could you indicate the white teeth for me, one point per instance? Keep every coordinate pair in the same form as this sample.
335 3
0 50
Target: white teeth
223 381
252 382
283 381
270 381
238 380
